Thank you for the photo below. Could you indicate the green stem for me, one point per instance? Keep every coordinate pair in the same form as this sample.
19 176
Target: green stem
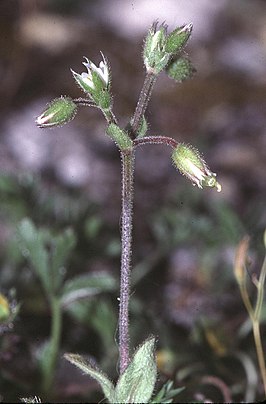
256 324
259 349
126 240
260 293
49 362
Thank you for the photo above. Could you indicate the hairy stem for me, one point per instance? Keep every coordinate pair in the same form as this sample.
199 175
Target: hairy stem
156 140
126 240
142 104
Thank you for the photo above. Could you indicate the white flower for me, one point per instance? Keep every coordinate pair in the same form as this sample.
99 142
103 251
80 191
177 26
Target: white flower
86 80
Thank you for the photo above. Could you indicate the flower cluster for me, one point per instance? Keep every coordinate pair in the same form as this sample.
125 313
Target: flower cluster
159 47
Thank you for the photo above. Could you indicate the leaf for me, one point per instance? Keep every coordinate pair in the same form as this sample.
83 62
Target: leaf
136 384
91 370
167 393
98 314
87 285
31 243
62 245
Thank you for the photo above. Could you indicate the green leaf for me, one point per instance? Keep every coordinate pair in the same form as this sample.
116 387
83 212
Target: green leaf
31 243
98 314
136 384
91 370
62 246
167 393
180 69
87 285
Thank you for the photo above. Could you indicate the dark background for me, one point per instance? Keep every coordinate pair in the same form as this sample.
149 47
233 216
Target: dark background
184 238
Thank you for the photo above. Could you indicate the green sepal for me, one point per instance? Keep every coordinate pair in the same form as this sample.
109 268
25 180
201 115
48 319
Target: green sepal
178 38
96 374
180 69
120 137
137 383
103 99
82 84
154 55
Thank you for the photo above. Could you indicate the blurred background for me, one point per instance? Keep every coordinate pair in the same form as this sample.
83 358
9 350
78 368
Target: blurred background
184 238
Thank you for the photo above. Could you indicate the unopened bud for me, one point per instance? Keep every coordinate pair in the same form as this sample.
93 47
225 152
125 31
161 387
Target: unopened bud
191 164
180 69
155 56
178 38
58 112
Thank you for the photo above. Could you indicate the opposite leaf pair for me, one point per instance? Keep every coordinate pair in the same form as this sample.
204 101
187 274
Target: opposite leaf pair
135 384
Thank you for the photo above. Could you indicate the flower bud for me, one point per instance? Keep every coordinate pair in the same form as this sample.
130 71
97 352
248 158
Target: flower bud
58 112
189 163
154 55
178 38
180 69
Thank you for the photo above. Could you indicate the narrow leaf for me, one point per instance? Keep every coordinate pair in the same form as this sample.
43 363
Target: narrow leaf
136 384
32 245
87 285
63 245
91 370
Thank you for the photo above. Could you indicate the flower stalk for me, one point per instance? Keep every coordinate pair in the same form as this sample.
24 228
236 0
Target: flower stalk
142 104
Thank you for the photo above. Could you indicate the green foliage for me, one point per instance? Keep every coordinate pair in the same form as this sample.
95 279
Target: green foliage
167 393
173 226
46 252
91 370
136 383
87 285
